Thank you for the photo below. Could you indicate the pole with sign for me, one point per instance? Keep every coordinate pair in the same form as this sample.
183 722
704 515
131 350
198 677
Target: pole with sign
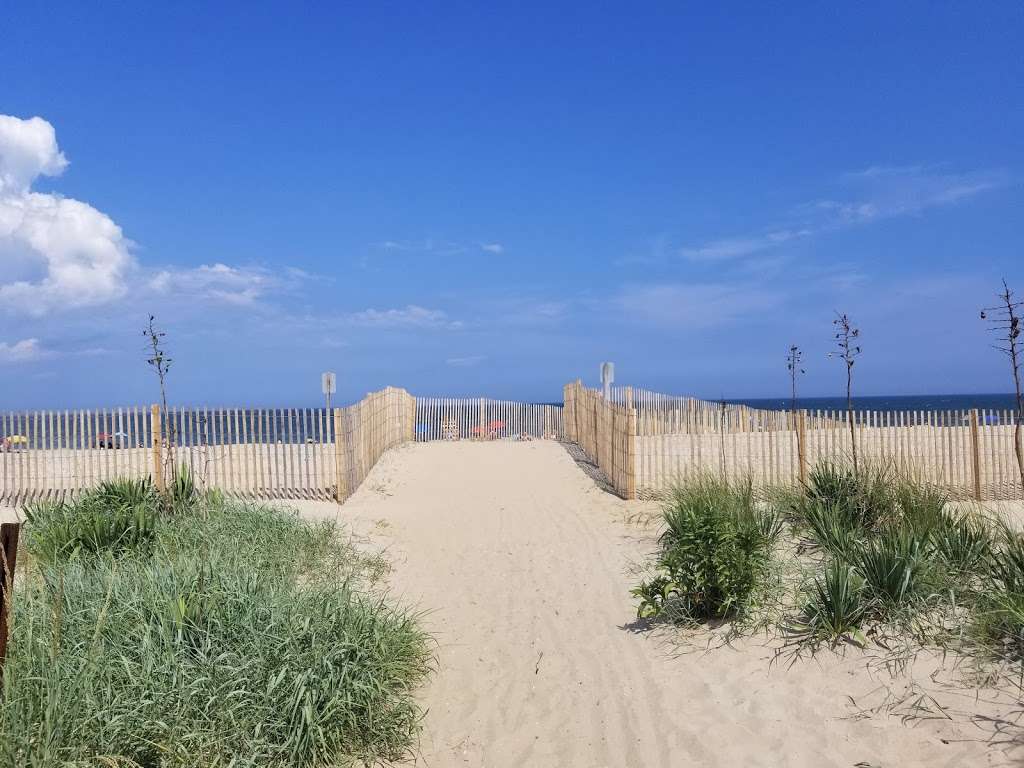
607 378
329 385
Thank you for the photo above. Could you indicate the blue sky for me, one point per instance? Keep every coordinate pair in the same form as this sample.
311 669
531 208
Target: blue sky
476 199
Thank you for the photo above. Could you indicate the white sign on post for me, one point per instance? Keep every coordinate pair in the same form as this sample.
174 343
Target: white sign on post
329 384
607 377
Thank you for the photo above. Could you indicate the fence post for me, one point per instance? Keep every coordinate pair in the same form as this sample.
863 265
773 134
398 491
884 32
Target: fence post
801 444
8 560
630 445
976 453
339 456
566 410
569 412
576 410
412 417
157 433
482 418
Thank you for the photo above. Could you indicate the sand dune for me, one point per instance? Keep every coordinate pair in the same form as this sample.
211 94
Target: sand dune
524 566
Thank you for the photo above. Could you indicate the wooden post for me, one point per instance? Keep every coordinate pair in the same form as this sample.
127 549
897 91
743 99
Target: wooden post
339 457
158 463
576 437
976 454
411 435
8 560
801 437
630 445
483 416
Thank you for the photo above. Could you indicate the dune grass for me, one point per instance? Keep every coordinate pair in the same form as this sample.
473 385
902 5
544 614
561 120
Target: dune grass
870 556
213 634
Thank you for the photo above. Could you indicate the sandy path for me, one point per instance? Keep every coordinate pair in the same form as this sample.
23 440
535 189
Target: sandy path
524 565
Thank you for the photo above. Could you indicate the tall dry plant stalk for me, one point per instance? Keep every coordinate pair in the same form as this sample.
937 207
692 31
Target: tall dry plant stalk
794 364
846 339
721 435
1004 319
160 362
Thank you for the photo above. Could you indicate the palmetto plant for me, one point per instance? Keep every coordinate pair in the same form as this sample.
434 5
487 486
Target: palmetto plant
892 565
833 529
183 491
836 606
111 520
963 542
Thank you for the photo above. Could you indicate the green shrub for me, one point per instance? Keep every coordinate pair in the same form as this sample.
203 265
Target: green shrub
715 550
243 637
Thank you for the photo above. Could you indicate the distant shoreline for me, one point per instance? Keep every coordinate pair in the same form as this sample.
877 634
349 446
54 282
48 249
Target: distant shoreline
885 403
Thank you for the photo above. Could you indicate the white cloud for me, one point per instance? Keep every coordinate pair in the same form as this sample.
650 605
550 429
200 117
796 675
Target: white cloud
28 149
410 316
876 193
23 351
904 191
56 253
240 286
735 247
433 247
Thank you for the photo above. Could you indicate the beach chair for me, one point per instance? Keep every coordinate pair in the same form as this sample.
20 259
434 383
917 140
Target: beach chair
450 429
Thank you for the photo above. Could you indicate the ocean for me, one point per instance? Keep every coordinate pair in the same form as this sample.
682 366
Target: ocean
887 403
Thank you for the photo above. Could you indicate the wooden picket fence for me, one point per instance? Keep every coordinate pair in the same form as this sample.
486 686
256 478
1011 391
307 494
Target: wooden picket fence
646 441
445 418
257 453
642 441
606 431
970 453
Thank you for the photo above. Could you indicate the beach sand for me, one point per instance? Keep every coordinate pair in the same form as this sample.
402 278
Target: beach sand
524 567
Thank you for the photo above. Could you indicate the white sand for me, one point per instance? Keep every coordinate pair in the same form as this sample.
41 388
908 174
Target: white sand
524 566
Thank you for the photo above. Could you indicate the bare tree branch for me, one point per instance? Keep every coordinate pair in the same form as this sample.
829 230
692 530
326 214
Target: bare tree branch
1005 319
